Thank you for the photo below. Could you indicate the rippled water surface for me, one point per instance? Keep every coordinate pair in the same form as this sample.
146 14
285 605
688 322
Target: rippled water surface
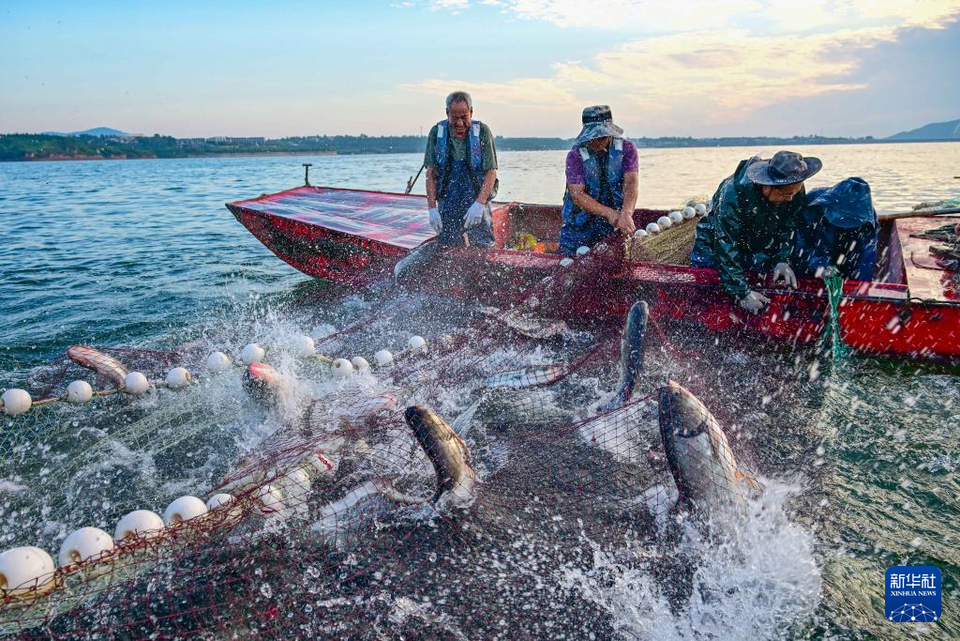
144 254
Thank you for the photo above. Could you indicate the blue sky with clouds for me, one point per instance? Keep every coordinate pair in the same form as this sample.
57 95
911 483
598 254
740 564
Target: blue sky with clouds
680 67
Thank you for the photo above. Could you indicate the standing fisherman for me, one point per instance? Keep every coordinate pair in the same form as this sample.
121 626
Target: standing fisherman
602 179
755 214
461 167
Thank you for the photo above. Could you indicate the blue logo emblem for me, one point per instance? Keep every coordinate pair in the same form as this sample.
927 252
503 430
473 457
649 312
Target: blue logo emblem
913 594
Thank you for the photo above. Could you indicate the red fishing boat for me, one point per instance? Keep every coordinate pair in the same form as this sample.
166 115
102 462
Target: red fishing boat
357 237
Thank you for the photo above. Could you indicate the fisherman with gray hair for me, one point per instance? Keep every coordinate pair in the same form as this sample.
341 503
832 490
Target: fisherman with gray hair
461 164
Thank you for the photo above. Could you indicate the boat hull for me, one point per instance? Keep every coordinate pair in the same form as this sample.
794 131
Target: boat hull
875 317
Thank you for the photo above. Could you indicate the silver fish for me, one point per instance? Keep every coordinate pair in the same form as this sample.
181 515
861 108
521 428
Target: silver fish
506 409
698 453
631 355
456 480
526 324
527 377
409 265
99 362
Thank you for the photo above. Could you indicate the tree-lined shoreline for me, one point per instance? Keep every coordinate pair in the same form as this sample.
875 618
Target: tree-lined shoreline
38 147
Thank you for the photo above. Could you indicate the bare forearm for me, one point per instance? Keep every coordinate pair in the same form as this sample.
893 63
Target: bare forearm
630 192
487 188
431 188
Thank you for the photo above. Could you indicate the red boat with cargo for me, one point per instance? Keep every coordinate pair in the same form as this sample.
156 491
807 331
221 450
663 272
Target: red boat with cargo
351 236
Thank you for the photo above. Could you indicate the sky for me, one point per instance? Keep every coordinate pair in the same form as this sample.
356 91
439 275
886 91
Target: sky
667 68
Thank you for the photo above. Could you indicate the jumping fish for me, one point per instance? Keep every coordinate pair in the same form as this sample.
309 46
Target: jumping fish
99 362
527 377
698 453
526 324
631 355
456 480
410 264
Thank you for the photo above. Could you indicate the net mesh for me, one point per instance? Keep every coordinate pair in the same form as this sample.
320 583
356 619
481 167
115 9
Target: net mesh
337 521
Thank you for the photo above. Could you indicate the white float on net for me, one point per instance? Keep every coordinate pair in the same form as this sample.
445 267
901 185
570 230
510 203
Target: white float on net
416 342
664 222
341 368
640 233
218 362
135 383
16 401
25 567
252 353
383 357
85 543
218 500
138 523
675 217
304 346
360 363
183 509
178 377
79 392
269 499
689 212
653 228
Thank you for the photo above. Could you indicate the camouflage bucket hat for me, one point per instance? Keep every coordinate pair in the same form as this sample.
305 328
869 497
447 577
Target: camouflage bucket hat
598 123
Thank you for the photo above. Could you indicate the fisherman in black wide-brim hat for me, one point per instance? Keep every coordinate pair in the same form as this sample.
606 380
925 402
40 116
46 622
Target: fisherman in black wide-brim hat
754 216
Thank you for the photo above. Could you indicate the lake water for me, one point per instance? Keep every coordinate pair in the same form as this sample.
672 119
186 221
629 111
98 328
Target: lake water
144 254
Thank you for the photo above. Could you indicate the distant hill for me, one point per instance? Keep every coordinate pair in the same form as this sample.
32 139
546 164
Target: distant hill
96 131
934 131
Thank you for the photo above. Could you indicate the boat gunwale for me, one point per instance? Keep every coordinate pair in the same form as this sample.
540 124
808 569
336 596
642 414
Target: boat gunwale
896 293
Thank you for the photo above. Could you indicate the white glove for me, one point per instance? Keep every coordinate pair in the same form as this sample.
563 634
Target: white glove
827 272
474 215
435 221
783 270
754 301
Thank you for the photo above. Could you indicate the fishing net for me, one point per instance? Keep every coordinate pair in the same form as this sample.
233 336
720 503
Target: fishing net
668 244
833 335
334 511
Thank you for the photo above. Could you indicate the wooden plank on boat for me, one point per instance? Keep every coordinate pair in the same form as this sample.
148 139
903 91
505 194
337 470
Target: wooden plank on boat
925 277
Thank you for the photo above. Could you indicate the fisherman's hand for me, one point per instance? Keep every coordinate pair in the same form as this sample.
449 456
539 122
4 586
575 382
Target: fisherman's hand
625 224
784 271
754 301
474 215
827 272
435 221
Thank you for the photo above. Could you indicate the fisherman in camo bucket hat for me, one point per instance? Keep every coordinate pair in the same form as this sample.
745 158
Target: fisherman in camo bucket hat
602 179
755 214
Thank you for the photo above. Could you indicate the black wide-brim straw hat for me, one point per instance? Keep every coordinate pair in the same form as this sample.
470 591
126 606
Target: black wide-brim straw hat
598 123
785 168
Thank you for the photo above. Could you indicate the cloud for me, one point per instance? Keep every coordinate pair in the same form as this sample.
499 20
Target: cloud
659 16
698 80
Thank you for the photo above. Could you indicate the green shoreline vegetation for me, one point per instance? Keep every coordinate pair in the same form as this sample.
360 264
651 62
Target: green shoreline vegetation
27 147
